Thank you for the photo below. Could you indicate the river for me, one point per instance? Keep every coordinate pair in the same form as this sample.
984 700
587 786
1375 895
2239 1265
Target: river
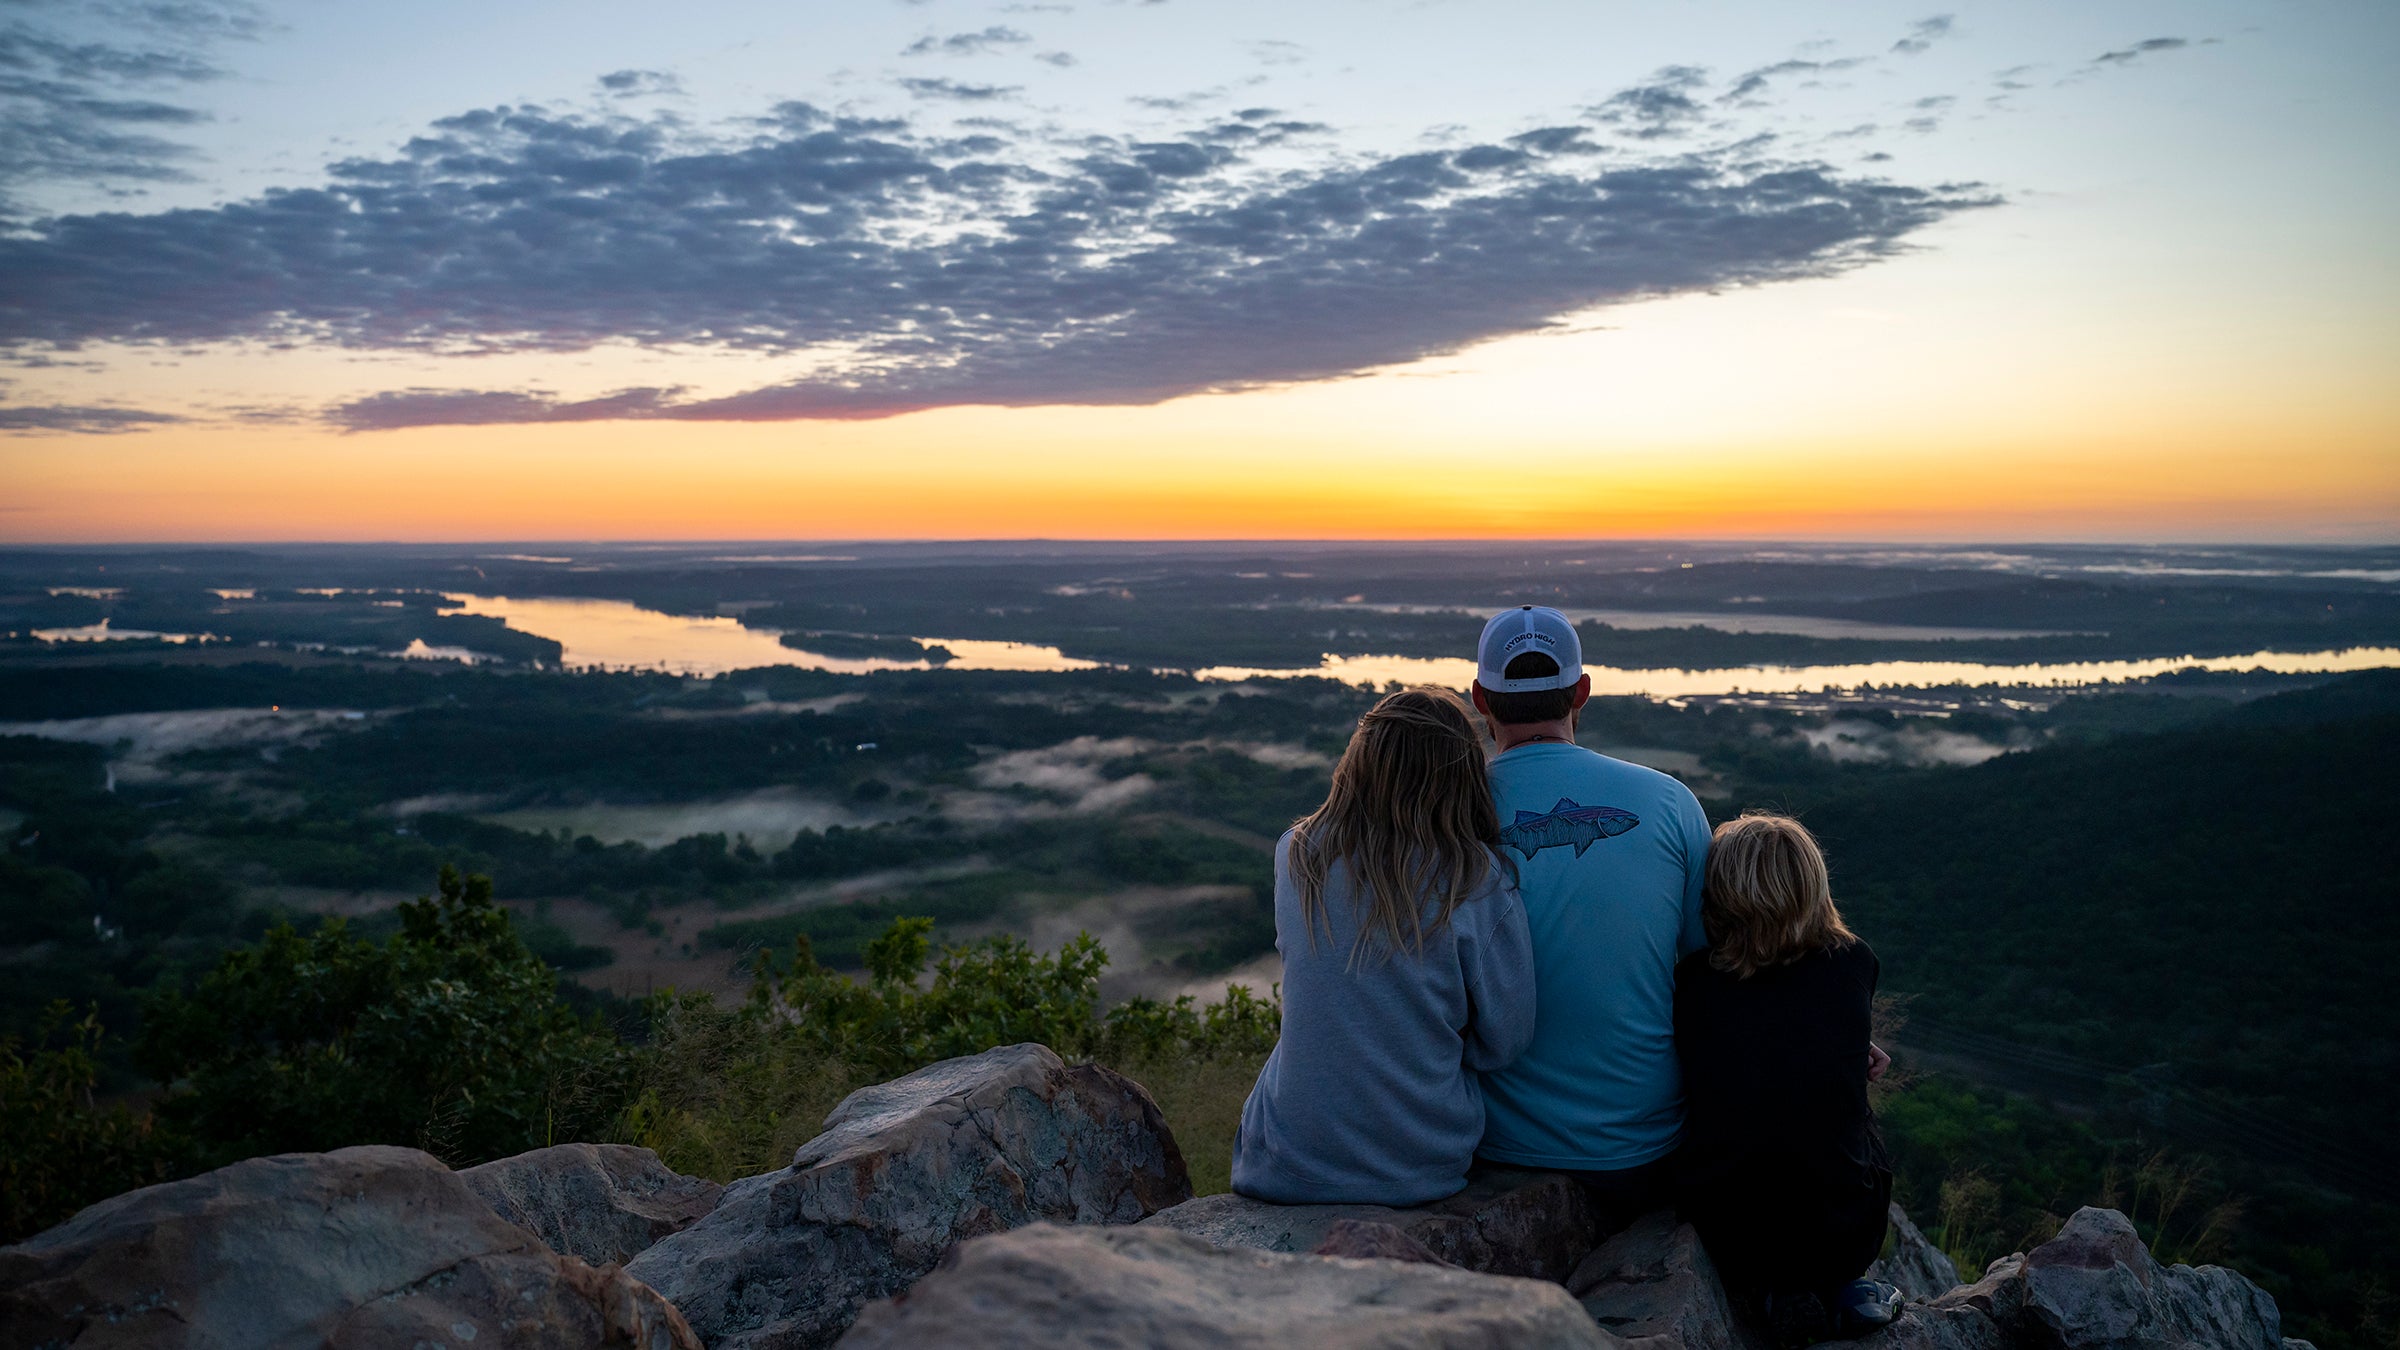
616 635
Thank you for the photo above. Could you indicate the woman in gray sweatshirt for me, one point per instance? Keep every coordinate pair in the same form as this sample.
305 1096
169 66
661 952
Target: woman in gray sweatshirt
1406 971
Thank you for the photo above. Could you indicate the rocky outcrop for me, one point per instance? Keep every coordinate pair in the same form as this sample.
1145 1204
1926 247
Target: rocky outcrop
364 1247
2096 1287
1917 1267
1085 1288
2093 1287
601 1202
965 1169
1533 1224
1655 1280
903 1170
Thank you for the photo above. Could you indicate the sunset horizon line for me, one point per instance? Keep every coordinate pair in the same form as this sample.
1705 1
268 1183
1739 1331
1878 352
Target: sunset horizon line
2388 540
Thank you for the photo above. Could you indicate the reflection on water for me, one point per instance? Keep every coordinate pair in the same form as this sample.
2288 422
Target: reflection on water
976 655
616 635
1458 673
101 632
418 649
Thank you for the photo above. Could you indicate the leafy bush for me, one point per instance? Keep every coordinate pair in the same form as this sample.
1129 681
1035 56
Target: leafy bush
730 1092
449 1036
997 991
1142 1029
63 1151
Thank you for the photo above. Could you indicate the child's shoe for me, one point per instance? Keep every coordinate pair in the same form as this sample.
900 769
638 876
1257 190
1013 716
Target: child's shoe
1863 1307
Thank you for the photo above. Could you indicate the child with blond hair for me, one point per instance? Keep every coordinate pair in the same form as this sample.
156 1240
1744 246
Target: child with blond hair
1781 1169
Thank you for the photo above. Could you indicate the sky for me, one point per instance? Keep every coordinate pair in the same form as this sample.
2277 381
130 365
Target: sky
1199 269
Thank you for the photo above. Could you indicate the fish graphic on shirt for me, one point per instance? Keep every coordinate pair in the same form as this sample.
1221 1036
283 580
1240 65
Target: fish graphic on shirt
1569 823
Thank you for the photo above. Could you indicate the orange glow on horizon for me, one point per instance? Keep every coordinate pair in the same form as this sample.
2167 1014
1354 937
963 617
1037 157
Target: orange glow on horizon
987 474
1762 413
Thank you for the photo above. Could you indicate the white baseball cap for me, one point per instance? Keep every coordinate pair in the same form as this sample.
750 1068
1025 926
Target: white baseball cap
1528 628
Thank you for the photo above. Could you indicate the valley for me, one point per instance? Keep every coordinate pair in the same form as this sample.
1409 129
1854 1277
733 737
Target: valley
2163 872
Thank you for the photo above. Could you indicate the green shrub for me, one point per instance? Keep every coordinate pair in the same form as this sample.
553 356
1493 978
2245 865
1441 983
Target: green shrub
998 991
731 1092
449 1036
59 1150
1147 1031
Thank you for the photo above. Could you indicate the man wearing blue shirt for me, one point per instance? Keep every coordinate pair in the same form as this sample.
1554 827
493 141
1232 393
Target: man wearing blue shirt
1610 859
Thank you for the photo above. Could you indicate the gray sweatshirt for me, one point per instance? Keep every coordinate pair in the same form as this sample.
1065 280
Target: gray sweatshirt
1370 1096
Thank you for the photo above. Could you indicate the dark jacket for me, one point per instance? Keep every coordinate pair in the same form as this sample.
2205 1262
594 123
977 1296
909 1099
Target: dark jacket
1782 1169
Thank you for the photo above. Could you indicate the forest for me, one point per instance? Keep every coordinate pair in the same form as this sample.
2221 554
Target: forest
2110 944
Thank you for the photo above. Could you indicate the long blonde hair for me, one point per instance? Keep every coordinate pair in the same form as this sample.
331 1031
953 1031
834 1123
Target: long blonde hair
1410 811
1768 900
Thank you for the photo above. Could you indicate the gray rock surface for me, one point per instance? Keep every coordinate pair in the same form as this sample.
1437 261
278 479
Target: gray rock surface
1920 1269
903 1170
1920 1327
600 1202
2096 1287
1363 1241
1228 1220
1087 1288
364 1247
1655 1280
1534 1224
1999 1293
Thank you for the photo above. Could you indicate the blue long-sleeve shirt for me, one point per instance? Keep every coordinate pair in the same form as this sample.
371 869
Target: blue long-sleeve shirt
1370 1097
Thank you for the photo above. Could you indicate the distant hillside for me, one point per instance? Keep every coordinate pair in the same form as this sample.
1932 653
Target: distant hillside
2222 900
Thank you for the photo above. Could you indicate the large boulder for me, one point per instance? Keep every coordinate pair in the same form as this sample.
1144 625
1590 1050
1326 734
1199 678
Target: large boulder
2096 1287
903 1170
1506 1222
1655 1279
364 1247
601 1202
1088 1288
1917 1267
